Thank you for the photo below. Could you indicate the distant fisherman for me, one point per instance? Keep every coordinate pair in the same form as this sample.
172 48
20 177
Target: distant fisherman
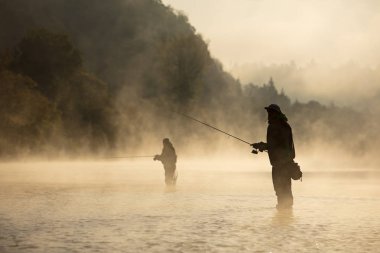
281 153
168 158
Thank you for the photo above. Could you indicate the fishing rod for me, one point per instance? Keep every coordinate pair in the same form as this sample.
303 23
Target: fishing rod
131 156
217 129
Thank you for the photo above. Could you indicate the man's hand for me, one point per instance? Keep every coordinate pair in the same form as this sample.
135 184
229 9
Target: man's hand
261 146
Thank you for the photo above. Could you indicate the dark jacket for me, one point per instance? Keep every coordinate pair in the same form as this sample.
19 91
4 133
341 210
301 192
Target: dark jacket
168 155
280 143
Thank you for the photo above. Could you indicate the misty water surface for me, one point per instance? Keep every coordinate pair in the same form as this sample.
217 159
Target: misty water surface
216 207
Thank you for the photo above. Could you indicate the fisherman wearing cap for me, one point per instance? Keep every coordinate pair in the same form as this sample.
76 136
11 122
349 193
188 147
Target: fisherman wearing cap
168 158
281 153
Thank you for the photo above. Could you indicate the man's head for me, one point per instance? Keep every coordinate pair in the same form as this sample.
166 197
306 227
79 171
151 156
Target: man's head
275 113
166 141
273 108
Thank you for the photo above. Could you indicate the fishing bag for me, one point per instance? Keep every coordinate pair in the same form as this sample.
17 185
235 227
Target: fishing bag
295 171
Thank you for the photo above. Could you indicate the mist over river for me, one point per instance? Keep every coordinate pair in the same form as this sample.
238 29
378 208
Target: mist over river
228 206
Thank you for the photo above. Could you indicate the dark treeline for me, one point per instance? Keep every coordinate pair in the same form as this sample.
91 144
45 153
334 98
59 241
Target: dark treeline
90 76
349 84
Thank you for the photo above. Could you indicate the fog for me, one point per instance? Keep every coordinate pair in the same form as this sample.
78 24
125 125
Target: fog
349 84
316 50
89 89
274 31
64 95
218 205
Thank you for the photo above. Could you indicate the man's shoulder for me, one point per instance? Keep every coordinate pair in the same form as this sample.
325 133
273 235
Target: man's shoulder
279 127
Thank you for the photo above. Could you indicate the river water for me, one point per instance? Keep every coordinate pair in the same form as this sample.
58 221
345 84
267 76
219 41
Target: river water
216 207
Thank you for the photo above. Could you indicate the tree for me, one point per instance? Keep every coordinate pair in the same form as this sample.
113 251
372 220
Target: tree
28 119
46 57
183 61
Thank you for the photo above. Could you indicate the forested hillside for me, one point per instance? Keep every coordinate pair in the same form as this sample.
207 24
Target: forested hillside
94 76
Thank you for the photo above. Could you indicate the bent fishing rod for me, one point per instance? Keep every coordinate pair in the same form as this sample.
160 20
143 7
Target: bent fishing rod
254 151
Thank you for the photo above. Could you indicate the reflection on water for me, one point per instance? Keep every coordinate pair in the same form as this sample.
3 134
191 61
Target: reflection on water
170 189
125 207
283 217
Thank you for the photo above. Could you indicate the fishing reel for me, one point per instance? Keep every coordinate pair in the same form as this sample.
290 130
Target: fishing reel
254 151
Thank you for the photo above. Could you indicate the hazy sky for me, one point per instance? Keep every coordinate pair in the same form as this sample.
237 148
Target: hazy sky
278 31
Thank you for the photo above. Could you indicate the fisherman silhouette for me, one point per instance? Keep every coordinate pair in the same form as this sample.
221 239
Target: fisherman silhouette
281 153
168 158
